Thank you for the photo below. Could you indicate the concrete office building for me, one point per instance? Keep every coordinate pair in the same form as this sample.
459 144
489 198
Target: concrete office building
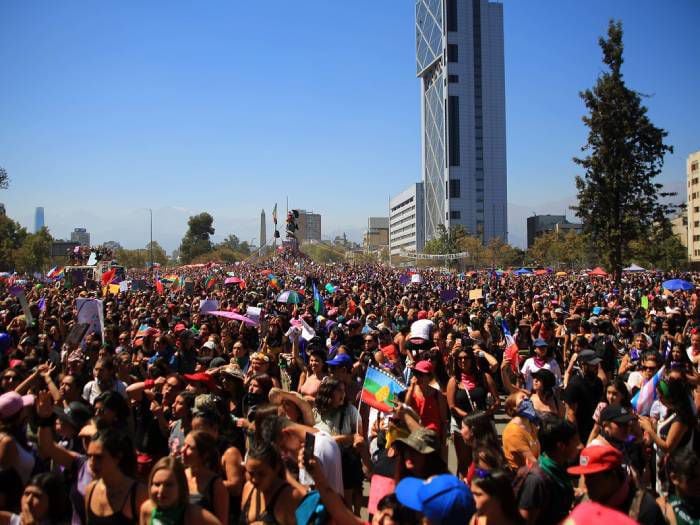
679 227
406 221
460 64
309 227
540 224
377 235
2 209
38 218
81 236
693 175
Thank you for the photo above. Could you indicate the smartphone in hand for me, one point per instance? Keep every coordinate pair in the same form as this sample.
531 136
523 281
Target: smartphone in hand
309 444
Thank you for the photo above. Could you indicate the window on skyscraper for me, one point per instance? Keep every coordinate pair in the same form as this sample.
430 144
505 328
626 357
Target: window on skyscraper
455 188
453 79
456 214
452 54
453 121
452 15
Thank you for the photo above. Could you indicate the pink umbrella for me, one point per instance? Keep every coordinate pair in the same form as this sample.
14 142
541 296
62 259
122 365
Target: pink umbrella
233 280
233 315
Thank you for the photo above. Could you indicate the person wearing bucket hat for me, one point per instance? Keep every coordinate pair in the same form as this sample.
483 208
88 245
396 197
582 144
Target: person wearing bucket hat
443 499
16 458
608 483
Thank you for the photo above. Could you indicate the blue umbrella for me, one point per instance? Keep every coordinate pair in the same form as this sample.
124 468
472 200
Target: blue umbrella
522 271
677 284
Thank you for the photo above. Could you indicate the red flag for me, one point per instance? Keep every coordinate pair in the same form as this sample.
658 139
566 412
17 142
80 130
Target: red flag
351 306
159 287
242 284
108 276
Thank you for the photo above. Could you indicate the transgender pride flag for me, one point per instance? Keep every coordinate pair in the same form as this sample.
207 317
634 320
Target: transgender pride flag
642 400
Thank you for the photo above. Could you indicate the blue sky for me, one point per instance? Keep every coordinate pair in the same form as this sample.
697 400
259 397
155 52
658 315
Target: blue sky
107 109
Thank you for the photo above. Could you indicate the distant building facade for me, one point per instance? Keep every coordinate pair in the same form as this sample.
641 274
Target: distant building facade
460 64
693 209
679 227
406 221
309 227
377 234
38 218
2 209
81 236
540 224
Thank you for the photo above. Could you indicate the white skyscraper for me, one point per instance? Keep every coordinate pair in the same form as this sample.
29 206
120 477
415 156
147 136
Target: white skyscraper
459 53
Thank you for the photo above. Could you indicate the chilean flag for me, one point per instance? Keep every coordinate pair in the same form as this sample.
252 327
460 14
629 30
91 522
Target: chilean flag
642 400
511 351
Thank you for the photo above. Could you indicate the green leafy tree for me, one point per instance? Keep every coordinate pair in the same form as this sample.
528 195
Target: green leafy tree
35 252
618 200
12 235
197 239
445 241
500 254
662 250
232 242
322 253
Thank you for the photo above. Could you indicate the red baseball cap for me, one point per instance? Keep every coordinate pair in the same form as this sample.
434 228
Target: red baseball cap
201 377
597 459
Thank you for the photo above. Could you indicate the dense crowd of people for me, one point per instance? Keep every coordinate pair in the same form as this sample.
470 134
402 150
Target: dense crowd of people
541 399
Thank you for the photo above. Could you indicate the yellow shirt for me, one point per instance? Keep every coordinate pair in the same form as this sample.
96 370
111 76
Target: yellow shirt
517 441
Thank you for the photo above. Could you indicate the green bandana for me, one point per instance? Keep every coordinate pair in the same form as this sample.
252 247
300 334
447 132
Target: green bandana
171 516
663 388
555 472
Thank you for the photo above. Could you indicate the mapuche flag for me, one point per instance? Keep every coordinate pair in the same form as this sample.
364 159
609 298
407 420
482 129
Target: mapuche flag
380 390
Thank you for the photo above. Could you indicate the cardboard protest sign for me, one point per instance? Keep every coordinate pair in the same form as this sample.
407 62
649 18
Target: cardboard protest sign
25 308
475 294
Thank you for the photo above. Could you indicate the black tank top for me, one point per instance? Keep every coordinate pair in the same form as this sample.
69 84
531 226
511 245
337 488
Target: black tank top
268 515
118 518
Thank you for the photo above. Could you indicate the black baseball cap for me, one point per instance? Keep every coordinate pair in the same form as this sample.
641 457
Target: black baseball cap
616 414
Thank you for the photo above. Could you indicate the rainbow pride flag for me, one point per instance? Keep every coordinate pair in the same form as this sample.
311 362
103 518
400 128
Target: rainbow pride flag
380 390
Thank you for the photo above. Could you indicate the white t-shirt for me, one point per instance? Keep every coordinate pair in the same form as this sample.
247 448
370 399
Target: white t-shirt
689 351
92 389
328 454
529 367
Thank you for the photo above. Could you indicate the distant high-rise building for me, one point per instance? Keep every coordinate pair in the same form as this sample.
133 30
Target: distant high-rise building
38 218
540 224
377 234
80 235
406 221
309 227
263 230
460 64
693 208
2 209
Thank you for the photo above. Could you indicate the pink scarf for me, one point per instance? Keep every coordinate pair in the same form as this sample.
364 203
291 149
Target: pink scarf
469 381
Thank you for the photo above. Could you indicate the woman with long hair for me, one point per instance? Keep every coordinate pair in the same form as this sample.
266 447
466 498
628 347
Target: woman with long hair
616 394
478 432
16 459
494 498
468 391
182 422
168 501
115 496
267 496
313 374
544 396
206 488
675 431
335 416
43 502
